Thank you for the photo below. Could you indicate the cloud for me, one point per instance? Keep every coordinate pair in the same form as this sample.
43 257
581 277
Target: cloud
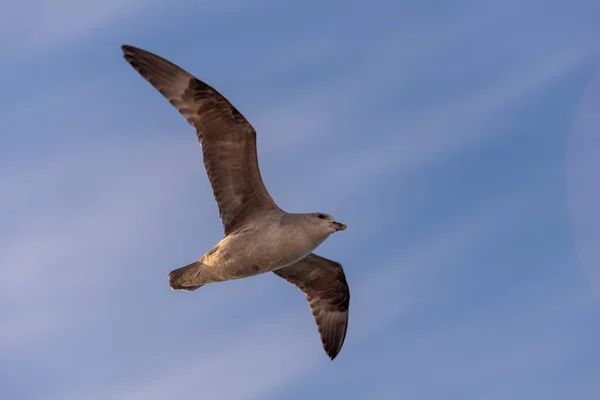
247 364
458 126
414 274
113 194
73 217
41 23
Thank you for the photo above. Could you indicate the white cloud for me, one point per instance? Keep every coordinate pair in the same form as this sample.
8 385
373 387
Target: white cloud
316 122
246 364
69 249
456 127
41 23
416 274
73 216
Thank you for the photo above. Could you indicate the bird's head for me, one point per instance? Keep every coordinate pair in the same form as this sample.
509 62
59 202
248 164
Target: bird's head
327 222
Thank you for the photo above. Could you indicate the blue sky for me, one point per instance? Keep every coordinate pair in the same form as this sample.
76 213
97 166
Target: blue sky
458 141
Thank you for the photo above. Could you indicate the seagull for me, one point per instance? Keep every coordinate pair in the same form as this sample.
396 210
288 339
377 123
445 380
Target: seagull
259 236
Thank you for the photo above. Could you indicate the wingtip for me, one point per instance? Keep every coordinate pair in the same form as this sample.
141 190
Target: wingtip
128 50
332 354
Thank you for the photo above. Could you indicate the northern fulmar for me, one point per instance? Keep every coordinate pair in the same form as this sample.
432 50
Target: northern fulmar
259 236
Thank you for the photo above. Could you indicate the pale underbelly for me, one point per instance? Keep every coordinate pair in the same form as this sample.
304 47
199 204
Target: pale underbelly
235 258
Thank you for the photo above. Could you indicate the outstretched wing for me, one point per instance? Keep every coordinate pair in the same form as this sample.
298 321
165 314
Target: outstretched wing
324 283
228 140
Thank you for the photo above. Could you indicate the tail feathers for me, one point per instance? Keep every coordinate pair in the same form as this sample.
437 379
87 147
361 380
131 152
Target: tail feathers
186 278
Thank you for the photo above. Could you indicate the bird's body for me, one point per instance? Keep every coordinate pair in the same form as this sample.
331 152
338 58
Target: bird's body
259 236
268 244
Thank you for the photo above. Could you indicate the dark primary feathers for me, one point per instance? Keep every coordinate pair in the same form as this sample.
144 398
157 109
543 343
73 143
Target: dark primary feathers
324 283
228 140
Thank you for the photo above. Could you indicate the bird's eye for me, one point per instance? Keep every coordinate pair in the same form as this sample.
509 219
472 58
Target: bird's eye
321 216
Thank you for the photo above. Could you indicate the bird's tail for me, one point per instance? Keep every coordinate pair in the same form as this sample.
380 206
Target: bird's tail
187 278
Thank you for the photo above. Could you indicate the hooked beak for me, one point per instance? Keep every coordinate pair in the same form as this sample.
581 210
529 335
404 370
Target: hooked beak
338 226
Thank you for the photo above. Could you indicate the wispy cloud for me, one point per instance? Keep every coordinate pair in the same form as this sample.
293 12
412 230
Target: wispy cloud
458 126
230 370
385 124
414 274
36 24
79 221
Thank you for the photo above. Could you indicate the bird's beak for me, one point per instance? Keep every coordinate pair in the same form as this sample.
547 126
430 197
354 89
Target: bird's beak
338 226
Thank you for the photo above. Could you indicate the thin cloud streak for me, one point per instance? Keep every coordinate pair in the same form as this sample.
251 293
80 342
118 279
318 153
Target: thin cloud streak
108 225
251 363
459 126
42 23
74 248
414 275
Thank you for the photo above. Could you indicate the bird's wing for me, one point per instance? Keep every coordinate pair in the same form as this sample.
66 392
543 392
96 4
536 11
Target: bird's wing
228 140
324 283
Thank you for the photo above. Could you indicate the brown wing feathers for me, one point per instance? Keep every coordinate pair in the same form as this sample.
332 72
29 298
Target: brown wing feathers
229 151
324 283
228 140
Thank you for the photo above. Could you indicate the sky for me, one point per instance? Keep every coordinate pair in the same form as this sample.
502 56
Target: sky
457 140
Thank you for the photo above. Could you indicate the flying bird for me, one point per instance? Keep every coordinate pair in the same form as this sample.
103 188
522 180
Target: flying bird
259 236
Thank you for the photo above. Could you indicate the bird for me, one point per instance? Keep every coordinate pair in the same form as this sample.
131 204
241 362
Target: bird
260 237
